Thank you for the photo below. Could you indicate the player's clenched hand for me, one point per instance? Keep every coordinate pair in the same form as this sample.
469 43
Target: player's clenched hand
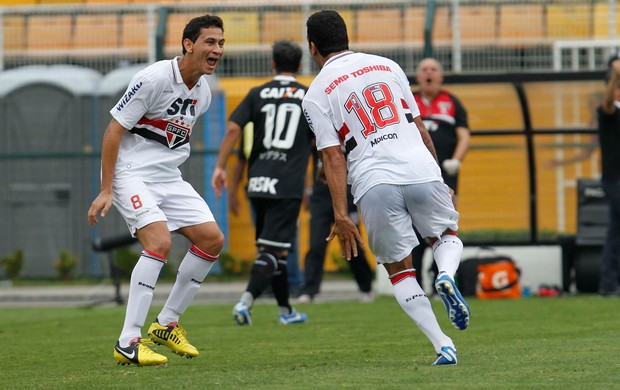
348 235
102 203
219 180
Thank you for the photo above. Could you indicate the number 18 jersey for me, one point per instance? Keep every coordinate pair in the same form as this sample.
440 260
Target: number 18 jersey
363 103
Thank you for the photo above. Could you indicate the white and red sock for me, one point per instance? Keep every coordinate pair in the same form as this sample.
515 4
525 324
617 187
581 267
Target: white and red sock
141 286
415 303
192 272
447 252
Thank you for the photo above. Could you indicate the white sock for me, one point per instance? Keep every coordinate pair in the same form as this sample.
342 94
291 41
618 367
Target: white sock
143 279
192 272
415 303
447 253
247 298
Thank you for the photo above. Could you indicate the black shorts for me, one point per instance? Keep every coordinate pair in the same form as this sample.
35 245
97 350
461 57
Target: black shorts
452 182
276 221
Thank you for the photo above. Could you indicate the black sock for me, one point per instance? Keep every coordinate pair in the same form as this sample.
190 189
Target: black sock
261 273
279 284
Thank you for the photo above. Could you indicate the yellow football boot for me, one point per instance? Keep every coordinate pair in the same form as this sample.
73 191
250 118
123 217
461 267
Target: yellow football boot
138 353
173 337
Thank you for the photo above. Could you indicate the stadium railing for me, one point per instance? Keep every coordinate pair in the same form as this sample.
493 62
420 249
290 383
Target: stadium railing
467 36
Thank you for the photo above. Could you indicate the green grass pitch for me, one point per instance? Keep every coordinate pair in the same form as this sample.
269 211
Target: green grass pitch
535 343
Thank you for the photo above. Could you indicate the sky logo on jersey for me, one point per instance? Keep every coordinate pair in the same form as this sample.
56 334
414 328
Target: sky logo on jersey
176 135
127 96
182 106
263 184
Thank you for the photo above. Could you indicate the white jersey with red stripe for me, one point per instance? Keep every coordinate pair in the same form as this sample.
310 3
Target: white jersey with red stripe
159 111
363 102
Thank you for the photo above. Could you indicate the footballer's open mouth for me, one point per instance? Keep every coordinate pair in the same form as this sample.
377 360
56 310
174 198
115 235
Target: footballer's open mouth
212 61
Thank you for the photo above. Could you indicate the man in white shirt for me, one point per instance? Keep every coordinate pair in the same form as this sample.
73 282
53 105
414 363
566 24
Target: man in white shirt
143 146
364 103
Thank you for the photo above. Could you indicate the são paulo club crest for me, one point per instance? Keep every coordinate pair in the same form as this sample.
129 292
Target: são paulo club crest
176 135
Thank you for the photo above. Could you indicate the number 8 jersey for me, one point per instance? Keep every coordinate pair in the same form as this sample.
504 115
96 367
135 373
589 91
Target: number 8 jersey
363 103
160 112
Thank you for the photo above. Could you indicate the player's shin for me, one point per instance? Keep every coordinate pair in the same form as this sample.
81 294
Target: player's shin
415 303
279 285
447 252
141 286
192 272
261 273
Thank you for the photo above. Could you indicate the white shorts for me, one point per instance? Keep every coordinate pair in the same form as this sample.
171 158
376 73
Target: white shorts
174 202
390 211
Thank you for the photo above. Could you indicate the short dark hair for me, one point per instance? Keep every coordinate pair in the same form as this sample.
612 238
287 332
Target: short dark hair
328 31
610 69
286 56
194 26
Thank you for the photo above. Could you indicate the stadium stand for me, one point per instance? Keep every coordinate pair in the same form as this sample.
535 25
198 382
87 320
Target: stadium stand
14 34
276 25
174 31
600 20
99 2
134 33
478 25
383 26
488 29
46 34
414 20
568 21
17 2
242 29
521 25
55 2
104 29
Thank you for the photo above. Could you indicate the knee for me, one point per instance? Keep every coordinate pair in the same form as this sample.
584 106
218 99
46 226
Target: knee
278 253
218 242
160 245
213 243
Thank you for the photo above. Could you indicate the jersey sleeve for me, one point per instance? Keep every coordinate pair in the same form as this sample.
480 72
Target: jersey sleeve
403 81
321 125
460 114
208 95
243 113
135 103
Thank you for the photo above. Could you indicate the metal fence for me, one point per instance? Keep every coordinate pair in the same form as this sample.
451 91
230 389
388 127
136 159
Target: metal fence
466 35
